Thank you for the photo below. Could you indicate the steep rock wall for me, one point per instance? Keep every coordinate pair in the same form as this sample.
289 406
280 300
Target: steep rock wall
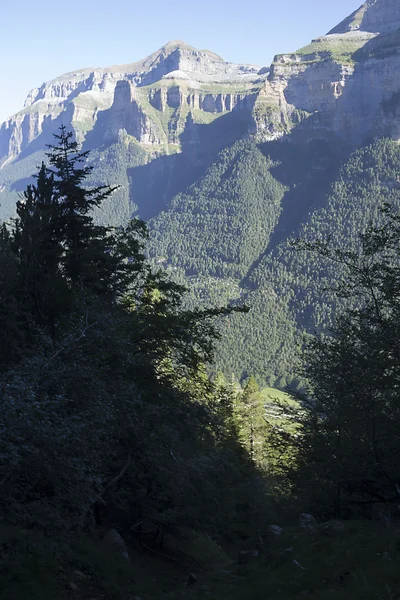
83 96
353 99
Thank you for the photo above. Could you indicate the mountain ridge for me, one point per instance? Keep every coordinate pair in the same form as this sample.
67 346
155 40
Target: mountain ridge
375 16
319 87
80 96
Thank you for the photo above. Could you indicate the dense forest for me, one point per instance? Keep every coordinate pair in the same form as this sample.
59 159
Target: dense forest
131 467
232 237
222 220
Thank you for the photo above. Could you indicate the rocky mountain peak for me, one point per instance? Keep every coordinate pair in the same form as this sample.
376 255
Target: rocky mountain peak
183 60
208 82
154 99
175 59
374 16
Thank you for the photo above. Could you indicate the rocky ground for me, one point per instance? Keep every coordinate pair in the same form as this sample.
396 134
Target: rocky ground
338 560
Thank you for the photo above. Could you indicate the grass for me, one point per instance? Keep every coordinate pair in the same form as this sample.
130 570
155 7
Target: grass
281 409
205 118
43 106
228 87
336 48
339 48
271 395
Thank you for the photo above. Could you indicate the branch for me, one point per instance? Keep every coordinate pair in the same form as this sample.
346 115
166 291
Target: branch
74 341
107 487
115 479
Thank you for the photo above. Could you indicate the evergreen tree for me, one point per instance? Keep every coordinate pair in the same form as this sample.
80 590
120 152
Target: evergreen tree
38 245
104 395
350 439
11 336
85 244
252 424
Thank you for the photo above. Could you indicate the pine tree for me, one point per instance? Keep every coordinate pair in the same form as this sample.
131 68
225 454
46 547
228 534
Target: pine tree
104 391
251 416
11 335
87 246
38 245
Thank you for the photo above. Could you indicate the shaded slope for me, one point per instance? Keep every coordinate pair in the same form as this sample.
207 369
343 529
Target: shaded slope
221 223
230 236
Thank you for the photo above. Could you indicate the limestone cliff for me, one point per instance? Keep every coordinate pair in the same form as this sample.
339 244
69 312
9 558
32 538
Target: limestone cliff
138 98
345 83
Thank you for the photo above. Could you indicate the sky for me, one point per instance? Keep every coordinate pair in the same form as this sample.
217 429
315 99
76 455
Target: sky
42 40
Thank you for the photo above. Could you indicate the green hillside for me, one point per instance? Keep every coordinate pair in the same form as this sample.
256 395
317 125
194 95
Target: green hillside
231 236
221 223
223 216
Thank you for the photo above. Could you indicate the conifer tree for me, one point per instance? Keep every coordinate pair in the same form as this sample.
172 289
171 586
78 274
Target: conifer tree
11 335
104 392
38 245
252 424
350 439
87 247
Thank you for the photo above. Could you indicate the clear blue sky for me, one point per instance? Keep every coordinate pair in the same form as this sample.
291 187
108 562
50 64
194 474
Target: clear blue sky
43 39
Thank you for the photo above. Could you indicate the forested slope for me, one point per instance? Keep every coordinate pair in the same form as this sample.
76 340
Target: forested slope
367 180
231 235
225 225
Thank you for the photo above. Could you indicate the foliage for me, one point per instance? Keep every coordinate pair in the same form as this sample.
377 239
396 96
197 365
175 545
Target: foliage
219 227
293 195
223 225
106 412
252 426
350 435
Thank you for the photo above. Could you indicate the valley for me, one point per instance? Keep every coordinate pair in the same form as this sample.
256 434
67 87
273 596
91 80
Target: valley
200 323
228 164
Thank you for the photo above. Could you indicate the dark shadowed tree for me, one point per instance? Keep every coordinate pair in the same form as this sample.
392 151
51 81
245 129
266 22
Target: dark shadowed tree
351 434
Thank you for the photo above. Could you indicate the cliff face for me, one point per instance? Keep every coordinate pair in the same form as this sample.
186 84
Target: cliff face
375 16
175 132
343 84
138 98
78 96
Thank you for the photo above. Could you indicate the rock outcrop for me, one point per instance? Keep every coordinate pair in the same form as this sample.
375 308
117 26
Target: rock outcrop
341 84
375 16
175 77
344 84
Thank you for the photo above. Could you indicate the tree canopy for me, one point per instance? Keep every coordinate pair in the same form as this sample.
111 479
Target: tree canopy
104 397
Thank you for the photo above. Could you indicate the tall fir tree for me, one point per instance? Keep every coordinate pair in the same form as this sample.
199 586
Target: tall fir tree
11 339
87 247
38 245
252 424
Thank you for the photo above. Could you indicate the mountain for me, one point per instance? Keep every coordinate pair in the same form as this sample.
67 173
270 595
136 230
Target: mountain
162 107
139 97
374 16
229 163
157 99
